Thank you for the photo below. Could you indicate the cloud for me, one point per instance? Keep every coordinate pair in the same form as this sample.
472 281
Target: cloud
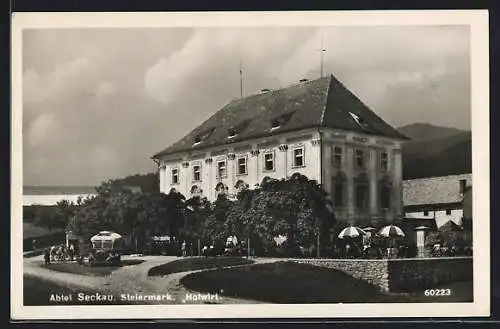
105 89
42 128
98 103
64 78
215 54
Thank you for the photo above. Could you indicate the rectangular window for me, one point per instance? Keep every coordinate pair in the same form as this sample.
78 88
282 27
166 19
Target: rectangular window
426 213
384 161
175 176
221 169
197 173
298 157
360 159
242 166
463 185
269 161
448 212
337 156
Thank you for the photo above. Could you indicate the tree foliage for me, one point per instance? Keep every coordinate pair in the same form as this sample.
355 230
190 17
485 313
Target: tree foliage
295 207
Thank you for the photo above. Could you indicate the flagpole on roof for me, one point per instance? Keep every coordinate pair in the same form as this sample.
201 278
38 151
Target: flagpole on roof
241 78
321 52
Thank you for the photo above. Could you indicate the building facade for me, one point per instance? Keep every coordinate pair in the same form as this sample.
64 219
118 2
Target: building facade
437 198
316 128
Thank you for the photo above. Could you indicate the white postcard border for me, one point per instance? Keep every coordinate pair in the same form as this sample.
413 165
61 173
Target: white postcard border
476 19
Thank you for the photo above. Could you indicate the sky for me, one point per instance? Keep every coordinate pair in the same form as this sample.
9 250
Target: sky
98 103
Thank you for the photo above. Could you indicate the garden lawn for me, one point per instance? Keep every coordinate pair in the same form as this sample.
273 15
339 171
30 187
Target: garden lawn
288 282
75 268
197 263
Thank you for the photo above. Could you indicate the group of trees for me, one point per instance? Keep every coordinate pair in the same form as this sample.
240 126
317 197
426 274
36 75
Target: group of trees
295 207
50 217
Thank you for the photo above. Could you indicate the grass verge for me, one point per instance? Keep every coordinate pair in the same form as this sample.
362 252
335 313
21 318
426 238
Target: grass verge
197 263
288 282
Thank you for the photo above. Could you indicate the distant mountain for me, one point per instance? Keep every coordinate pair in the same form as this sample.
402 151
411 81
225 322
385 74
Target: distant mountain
147 182
436 151
426 131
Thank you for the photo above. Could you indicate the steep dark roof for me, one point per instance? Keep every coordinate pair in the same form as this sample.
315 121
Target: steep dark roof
324 102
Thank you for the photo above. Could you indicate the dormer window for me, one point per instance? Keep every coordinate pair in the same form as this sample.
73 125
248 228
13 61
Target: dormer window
281 120
203 136
359 120
231 132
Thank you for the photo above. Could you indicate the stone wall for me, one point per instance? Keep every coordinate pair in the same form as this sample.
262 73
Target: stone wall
401 275
371 271
424 273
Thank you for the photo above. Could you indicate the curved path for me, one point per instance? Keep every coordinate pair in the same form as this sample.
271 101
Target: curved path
131 279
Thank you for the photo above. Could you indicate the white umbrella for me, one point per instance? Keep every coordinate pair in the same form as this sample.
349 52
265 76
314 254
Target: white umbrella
369 229
279 239
232 239
391 231
351 232
105 235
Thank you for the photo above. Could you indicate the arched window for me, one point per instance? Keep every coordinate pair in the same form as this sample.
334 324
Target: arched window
361 191
266 179
339 187
385 192
220 188
195 190
240 185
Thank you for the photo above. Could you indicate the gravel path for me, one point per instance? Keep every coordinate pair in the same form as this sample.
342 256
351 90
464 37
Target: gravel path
133 280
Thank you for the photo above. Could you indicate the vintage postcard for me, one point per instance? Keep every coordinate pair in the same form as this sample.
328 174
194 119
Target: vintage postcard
250 165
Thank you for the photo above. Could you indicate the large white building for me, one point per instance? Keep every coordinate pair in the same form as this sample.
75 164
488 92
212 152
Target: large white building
316 128
438 198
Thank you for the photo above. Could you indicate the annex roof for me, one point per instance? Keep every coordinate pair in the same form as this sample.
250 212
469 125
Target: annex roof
434 190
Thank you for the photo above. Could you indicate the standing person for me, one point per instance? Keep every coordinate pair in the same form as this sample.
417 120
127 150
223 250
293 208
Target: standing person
183 248
348 251
46 256
72 252
52 252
